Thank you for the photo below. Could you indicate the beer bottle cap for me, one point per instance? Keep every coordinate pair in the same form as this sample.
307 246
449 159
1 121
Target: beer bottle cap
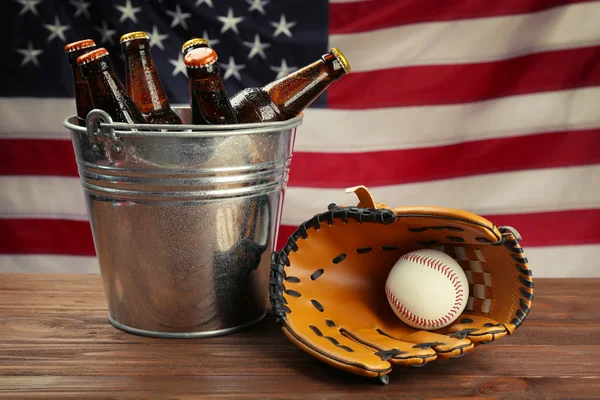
200 57
92 55
79 45
134 35
341 58
193 42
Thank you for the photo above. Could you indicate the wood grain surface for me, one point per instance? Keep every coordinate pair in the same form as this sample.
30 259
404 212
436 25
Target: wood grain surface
55 342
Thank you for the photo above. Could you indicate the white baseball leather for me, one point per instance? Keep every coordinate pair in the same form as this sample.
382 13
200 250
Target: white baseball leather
427 289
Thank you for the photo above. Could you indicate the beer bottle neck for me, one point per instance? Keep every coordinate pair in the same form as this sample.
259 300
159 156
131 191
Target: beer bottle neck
142 80
209 101
83 101
295 92
108 93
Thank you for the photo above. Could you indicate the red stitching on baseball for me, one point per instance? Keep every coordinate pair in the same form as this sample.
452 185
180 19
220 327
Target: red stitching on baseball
446 271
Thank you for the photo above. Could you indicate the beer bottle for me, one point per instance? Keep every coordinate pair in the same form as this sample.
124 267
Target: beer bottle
142 81
106 89
288 96
83 102
193 44
208 98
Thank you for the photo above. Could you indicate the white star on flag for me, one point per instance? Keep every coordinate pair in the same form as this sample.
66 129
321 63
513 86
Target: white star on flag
128 11
82 7
230 22
30 54
211 42
28 5
179 65
283 70
157 38
208 3
178 17
232 68
57 30
106 33
282 26
257 47
257 5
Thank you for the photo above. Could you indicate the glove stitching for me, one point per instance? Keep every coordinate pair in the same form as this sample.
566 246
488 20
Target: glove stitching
315 275
333 340
462 333
511 240
276 287
334 358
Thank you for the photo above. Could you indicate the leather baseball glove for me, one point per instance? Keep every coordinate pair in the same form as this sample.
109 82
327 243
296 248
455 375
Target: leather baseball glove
327 284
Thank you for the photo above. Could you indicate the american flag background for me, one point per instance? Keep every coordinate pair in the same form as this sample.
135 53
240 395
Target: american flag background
488 106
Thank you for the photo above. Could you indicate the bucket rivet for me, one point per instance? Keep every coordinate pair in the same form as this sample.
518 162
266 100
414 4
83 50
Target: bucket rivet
117 148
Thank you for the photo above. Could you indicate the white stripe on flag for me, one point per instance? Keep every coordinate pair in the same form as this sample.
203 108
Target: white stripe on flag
48 263
472 40
545 262
564 261
341 131
43 197
327 130
501 193
17 122
535 191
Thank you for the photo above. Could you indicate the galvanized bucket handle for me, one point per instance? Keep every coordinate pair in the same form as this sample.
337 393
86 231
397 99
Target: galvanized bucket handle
98 123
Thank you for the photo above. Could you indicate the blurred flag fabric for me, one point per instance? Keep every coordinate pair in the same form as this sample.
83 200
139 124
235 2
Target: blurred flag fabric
492 107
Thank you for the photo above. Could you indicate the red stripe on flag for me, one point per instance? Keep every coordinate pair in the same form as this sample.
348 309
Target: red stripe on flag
37 157
361 16
46 236
31 236
450 84
547 150
561 228
376 168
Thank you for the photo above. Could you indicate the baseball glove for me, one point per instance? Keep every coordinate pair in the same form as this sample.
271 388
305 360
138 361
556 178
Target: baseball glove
327 284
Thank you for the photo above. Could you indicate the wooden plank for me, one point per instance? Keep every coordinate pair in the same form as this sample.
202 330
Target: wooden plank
78 283
556 302
93 283
55 342
333 386
45 328
203 359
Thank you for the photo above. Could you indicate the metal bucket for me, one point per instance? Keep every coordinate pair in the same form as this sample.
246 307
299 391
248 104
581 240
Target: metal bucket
184 219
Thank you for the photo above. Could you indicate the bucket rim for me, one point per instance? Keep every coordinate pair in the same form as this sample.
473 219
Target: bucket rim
121 129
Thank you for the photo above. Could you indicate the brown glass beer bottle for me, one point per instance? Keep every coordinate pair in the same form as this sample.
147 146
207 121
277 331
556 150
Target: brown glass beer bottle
106 89
208 98
287 97
192 44
83 102
142 81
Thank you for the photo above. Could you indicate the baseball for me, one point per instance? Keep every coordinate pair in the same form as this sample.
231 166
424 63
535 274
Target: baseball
427 289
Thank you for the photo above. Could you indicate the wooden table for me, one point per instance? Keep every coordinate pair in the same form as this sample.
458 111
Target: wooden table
55 342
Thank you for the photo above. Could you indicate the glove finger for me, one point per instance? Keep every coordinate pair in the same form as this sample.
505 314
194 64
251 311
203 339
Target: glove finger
329 345
477 328
445 346
391 349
